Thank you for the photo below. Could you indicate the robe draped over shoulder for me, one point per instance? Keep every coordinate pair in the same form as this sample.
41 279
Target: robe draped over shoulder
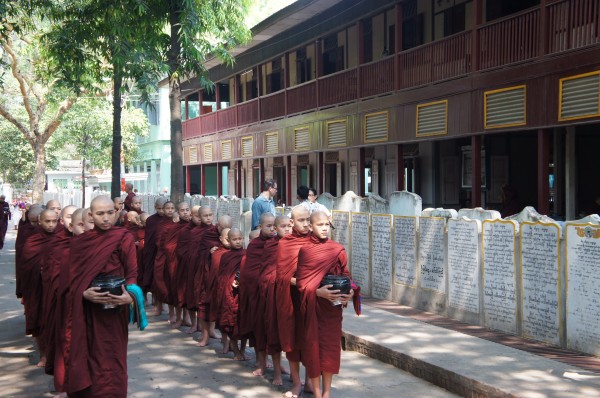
149 252
209 240
321 321
182 252
97 351
228 303
287 262
26 229
191 266
215 260
266 288
165 263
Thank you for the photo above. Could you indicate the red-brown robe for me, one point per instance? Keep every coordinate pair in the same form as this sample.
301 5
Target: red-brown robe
26 229
210 239
138 233
266 288
4 217
182 252
286 294
32 258
149 252
127 201
191 267
321 321
97 351
228 303
57 253
215 265
165 263
250 313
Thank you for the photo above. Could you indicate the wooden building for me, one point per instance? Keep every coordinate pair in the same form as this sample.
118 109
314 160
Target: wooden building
376 96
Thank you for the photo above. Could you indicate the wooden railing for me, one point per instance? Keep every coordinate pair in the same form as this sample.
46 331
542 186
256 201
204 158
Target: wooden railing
442 59
272 106
338 88
509 40
573 24
569 24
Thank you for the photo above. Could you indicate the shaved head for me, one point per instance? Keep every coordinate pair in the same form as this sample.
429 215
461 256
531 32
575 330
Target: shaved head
77 225
34 213
143 218
99 201
160 201
53 205
132 217
206 215
266 217
282 226
87 219
48 220
235 238
299 211
224 238
255 233
301 220
136 203
225 221
66 214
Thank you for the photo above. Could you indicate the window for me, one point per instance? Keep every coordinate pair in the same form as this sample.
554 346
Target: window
378 35
248 88
224 92
273 76
450 17
302 65
495 9
413 25
193 106
209 100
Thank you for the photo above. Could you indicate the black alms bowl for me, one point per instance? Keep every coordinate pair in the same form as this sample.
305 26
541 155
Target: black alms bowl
339 282
109 283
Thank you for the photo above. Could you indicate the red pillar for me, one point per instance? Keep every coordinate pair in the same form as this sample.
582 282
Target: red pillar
219 180
361 173
288 177
543 171
476 171
238 188
202 180
400 168
320 170
477 20
187 179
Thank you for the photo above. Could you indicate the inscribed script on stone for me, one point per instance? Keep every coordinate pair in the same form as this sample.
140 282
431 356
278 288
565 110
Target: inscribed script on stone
381 255
463 264
499 275
540 262
405 250
341 233
431 253
359 264
583 287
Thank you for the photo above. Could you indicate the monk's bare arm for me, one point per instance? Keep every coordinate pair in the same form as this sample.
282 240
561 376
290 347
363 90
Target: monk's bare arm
330 295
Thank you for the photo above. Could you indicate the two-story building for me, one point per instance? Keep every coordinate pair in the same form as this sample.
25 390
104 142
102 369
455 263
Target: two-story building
376 96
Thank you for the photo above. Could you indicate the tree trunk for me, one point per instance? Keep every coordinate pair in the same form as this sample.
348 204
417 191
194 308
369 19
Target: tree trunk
39 174
83 182
177 189
115 186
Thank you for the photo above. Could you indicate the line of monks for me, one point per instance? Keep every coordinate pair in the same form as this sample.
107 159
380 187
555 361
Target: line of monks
269 294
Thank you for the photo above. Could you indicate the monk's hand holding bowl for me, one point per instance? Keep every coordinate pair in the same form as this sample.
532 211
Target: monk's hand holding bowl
123 299
94 295
330 295
345 298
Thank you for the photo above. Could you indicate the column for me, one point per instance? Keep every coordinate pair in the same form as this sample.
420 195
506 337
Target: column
570 174
153 177
288 173
203 180
361 173
219 180
477 20
476 171
398 38
543 170
238 187
400 186
187 179
320 172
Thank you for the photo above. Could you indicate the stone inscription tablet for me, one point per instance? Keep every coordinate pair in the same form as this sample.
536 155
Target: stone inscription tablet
381 255
583 288
540 270
405 250
463 265
431 253
499 276
359 267
341 233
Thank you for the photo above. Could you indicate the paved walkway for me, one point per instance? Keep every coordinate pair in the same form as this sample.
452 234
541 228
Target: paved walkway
166 363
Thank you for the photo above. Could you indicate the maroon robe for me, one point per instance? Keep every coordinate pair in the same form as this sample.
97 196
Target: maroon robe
215 260
210 239
26 229
182 252
4 217
321 321
227 302
287 295
165 263
191 267
127 201
32 258
97 351
138 234
57 253
149 252
250 314
266 289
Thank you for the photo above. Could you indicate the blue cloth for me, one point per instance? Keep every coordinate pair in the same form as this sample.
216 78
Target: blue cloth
137 313
261 205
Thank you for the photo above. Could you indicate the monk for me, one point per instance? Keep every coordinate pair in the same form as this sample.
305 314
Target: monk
129 198
227 285
97 351
134 226
54 205
286 294
4 217
268 334
63 331
214 271
209 243
119 211
321 320
136 204
175 299
255 233
149 252
250 314
143 217
88 220
26 229
57 253
32 259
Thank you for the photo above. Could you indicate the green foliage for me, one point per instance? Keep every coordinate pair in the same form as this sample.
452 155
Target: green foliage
86 132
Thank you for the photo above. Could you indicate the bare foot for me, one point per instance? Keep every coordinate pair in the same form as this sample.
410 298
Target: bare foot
192 330
213 335
241 357
285 371
176 325
277 381
290 394
225 348
41 363
259 372
202 343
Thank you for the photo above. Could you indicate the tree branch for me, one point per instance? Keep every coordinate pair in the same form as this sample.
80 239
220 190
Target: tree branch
55 121
6 114
20 78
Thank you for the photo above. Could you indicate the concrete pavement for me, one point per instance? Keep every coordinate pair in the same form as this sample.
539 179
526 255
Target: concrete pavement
166 363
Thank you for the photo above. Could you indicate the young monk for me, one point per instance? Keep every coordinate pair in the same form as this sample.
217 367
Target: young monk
135 228
119 211
208 244
287 296
214 271
149 252
32 259
26 229
54 205
175 300
99 335
250 314
57 252
321 320
267 334
88 220
136 204
227 285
